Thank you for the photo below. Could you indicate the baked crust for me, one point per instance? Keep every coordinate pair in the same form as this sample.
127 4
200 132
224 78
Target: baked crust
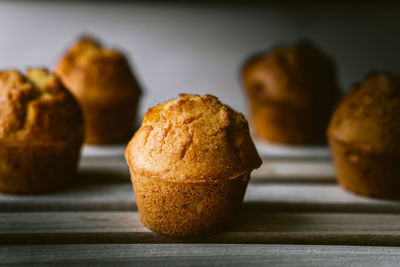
37 109
366 119
193 138
364 136
291 93
103 82
41 132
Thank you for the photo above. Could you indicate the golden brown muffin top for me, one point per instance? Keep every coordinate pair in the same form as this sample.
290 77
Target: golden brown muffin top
98 76
368 117
299 76
37 109
193 138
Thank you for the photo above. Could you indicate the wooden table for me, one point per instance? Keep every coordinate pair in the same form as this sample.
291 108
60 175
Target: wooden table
294 213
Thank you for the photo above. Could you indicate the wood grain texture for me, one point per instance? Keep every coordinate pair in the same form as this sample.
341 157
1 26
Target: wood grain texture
250 228
282 169
103 193
279 185
94 221
199 255
295 170
85 193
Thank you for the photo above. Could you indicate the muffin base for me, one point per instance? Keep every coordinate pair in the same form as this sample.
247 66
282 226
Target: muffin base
31 169
110 125
285 125
365 173
193 208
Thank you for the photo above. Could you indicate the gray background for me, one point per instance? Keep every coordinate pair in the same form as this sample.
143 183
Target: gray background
178 48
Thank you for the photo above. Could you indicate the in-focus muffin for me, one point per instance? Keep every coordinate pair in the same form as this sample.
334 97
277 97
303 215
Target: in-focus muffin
291 94
41 132
364 134
103 82
190 163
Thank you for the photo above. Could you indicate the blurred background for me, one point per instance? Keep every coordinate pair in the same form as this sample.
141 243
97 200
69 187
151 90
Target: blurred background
176 47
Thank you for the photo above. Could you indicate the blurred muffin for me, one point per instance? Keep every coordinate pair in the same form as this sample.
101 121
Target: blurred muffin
190 163
41 132
291 94
364 134
103 82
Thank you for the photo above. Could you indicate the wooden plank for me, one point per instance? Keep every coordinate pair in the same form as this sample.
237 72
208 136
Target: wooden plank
199 255
90 193
284 169
102 193
114 168
250 228
301 197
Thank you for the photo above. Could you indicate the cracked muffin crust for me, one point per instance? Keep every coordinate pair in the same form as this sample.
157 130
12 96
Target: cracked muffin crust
41 132
291 93
103 82
190 163
364 137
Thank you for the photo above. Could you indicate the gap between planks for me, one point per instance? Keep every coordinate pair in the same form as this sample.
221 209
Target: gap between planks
250 228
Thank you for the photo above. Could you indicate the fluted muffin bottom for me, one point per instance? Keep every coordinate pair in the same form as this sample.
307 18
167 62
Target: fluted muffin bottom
111 124
368 174
32 169
278 123
188 208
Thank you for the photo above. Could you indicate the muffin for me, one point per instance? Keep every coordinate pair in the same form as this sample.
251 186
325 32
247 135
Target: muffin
190 163
291 94
103 83
41 132
364 134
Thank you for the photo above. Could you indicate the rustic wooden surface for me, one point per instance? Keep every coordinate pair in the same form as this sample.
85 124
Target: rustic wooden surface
251 227
199 255
296 202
